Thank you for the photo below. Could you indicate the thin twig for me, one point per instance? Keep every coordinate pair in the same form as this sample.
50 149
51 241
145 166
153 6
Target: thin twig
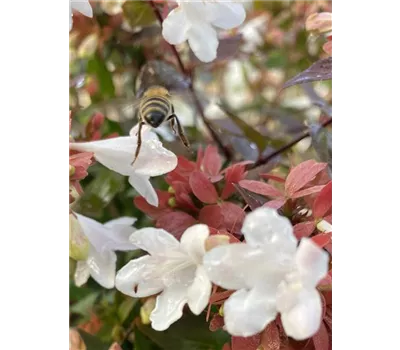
269 157
227 152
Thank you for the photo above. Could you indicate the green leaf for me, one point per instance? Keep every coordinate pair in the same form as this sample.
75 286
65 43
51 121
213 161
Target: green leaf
248 131
92 342
189 333
277 59
85 305
98 67
138 13
142 342
100 192
125 308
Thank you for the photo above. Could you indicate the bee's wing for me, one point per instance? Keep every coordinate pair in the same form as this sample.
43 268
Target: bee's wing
160 73
118 109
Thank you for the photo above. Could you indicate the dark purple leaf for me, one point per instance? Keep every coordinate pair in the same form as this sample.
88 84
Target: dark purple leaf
320 70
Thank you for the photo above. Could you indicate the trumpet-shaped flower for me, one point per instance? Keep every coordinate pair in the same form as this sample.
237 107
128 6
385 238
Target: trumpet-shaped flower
82 6
117 154
194 21
173 268
104 240
270 275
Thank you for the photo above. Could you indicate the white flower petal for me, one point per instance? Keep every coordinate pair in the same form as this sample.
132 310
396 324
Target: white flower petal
227 15
174 27
155 241
235 266
116 153
248 312
193 241
102 267
142 184
148 133
203 41
82 273
199 292
264 226
154 159
168 308
304 319
83 6
97 233
120 229
312 262
142 274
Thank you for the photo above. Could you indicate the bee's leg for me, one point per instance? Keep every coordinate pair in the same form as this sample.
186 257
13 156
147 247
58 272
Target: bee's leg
180 131
139 141
172 123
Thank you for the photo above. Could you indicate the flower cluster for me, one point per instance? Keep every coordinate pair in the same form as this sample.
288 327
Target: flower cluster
269 272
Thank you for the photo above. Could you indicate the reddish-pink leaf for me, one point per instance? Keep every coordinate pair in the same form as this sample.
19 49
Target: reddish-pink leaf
322 239
328 218
270 339
303 229
323 202
154 212
217 322
275 204
211 215
260 188
212 162
301 175
175 222
321 339
248 343
182 197
307 192
273 177
250 198
233 175
328 248
202 188
233 217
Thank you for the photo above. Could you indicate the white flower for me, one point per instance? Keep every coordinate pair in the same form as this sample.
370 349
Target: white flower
173 268
118 153
104 239
195 21
253 32
112 7
262 271
81 6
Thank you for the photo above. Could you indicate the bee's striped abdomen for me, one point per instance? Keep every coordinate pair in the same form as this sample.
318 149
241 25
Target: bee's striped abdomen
155 103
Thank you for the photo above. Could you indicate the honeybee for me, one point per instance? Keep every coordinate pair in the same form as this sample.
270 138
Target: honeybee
155 108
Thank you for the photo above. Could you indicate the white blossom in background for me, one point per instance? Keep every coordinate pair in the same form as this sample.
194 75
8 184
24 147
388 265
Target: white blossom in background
112 7
270 275
118 153
253 33
104 240
173 268
195 21
81 6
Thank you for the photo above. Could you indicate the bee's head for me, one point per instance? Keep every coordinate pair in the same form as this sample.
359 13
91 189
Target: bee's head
154 118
